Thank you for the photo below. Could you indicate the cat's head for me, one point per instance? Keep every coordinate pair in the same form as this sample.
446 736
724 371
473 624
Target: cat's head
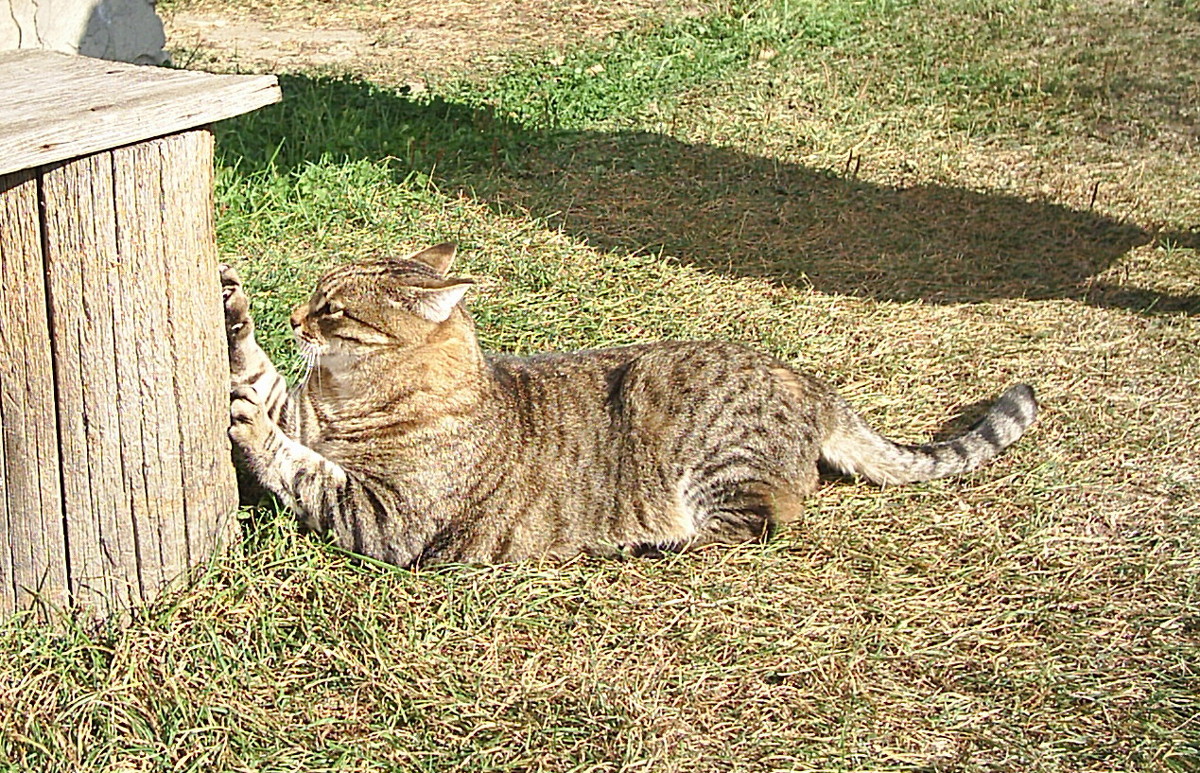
382 303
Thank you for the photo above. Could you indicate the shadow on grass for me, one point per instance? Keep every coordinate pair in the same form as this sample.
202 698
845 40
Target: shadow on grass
712 207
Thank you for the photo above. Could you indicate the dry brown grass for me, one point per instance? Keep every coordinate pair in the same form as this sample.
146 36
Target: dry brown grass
400 43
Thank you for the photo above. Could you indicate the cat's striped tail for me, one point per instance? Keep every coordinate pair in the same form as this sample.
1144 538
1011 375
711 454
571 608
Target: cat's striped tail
853 448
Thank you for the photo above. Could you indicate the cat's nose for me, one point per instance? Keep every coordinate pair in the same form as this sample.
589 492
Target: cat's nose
297 317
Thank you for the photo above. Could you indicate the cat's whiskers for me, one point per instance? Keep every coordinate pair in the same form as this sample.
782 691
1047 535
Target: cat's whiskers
311 354
314 358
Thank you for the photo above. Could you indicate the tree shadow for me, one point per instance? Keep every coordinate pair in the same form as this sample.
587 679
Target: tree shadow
715 208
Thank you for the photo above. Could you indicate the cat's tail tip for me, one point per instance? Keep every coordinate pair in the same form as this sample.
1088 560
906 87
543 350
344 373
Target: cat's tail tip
854 448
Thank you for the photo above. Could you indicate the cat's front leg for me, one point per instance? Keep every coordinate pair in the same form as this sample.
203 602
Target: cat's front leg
308 483
248 363
326 497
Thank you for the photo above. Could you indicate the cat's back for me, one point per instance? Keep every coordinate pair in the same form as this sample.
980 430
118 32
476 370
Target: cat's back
592 384
611 446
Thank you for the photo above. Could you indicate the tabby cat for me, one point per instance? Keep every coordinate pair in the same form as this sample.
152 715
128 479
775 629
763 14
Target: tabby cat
410 444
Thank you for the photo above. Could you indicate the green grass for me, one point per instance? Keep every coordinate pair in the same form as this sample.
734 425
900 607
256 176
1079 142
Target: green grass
925 202
607 85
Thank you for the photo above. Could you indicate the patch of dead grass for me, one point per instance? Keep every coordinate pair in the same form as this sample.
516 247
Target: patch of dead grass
399 43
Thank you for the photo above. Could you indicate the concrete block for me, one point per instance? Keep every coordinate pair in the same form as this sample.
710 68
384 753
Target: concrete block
119 30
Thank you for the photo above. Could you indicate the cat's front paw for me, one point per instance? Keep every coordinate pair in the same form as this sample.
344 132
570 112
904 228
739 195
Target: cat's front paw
249 426
238 325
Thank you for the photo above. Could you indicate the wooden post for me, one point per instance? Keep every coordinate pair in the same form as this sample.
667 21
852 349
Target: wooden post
115 474
32 553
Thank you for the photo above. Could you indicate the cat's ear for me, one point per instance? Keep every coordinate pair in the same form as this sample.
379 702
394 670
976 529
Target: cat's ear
436 303
438 257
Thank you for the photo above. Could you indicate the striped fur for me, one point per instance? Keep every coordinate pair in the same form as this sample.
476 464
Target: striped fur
409 444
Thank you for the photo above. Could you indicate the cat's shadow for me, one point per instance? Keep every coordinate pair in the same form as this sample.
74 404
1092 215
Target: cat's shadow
965 418
715 208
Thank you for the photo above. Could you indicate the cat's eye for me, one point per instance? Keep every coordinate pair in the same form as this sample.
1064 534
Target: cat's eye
330 310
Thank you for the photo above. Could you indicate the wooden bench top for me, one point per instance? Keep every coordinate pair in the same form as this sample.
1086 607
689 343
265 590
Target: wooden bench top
57 106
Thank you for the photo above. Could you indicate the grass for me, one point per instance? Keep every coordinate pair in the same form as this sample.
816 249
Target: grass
605 85
925 202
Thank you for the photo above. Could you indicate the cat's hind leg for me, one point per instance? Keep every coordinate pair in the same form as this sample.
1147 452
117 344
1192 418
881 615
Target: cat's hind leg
734 526
753 511
728 525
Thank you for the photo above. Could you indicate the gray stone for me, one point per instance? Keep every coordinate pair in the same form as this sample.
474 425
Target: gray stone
120 30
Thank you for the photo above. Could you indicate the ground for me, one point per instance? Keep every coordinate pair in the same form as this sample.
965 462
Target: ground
392 42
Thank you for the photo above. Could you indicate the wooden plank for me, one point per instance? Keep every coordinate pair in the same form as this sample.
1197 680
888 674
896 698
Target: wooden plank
57 106
82 278
142 374
196 325
149 384
127 338
33 564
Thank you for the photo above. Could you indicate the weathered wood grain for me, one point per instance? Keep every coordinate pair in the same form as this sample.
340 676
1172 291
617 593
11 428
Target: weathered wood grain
81 277
147 387
115 471
56 106
196 323
33 549
142 375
